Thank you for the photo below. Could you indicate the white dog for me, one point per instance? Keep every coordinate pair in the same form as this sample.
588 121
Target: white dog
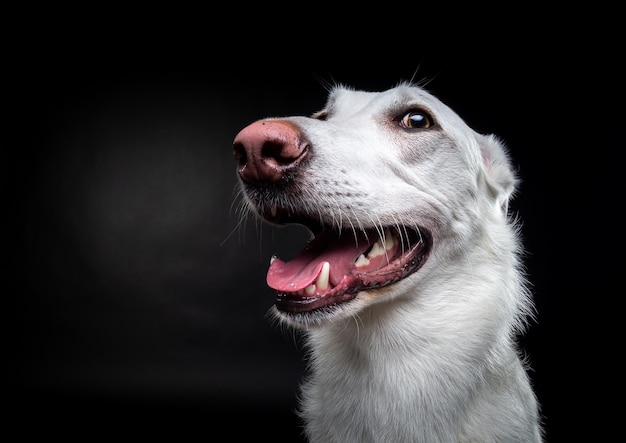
411 291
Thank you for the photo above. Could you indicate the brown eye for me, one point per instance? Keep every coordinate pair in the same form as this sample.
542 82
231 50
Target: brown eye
416 120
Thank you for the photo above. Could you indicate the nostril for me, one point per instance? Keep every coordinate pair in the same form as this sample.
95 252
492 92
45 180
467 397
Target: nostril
276 151
239 152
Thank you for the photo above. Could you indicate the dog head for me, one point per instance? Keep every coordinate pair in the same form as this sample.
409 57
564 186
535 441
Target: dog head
391 184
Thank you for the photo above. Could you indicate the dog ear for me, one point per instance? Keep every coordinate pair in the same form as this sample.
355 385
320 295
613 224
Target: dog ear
499 175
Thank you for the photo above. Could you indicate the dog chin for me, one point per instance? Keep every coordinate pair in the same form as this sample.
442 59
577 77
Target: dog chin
327 315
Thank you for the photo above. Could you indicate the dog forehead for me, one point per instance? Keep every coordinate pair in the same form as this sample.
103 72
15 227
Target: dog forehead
344 100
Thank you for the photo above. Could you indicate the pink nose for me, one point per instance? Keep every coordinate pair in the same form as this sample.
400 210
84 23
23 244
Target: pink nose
268 151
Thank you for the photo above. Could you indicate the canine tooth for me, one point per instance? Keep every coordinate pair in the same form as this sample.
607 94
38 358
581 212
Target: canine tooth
272 258
273 210
310 290
322 279
361 261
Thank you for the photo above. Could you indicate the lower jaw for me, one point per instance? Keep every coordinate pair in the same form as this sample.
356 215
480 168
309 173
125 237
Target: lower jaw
289 304
348 290
315 318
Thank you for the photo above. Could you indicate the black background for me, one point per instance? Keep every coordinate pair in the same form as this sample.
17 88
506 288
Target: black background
136 295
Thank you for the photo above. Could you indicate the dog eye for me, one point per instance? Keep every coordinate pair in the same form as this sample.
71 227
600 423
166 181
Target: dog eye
416 120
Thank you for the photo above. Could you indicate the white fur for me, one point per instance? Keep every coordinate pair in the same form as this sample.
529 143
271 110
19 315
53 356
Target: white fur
433 357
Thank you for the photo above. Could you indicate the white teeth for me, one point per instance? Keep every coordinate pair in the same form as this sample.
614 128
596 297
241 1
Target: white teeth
379 247
273 210
376 250
390 240
361 261
382 245
272 259
322 279
321 283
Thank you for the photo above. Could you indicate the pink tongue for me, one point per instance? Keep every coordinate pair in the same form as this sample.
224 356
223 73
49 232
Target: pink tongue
303 270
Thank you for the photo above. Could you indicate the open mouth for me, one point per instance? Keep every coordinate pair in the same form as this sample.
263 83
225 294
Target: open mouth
336 264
